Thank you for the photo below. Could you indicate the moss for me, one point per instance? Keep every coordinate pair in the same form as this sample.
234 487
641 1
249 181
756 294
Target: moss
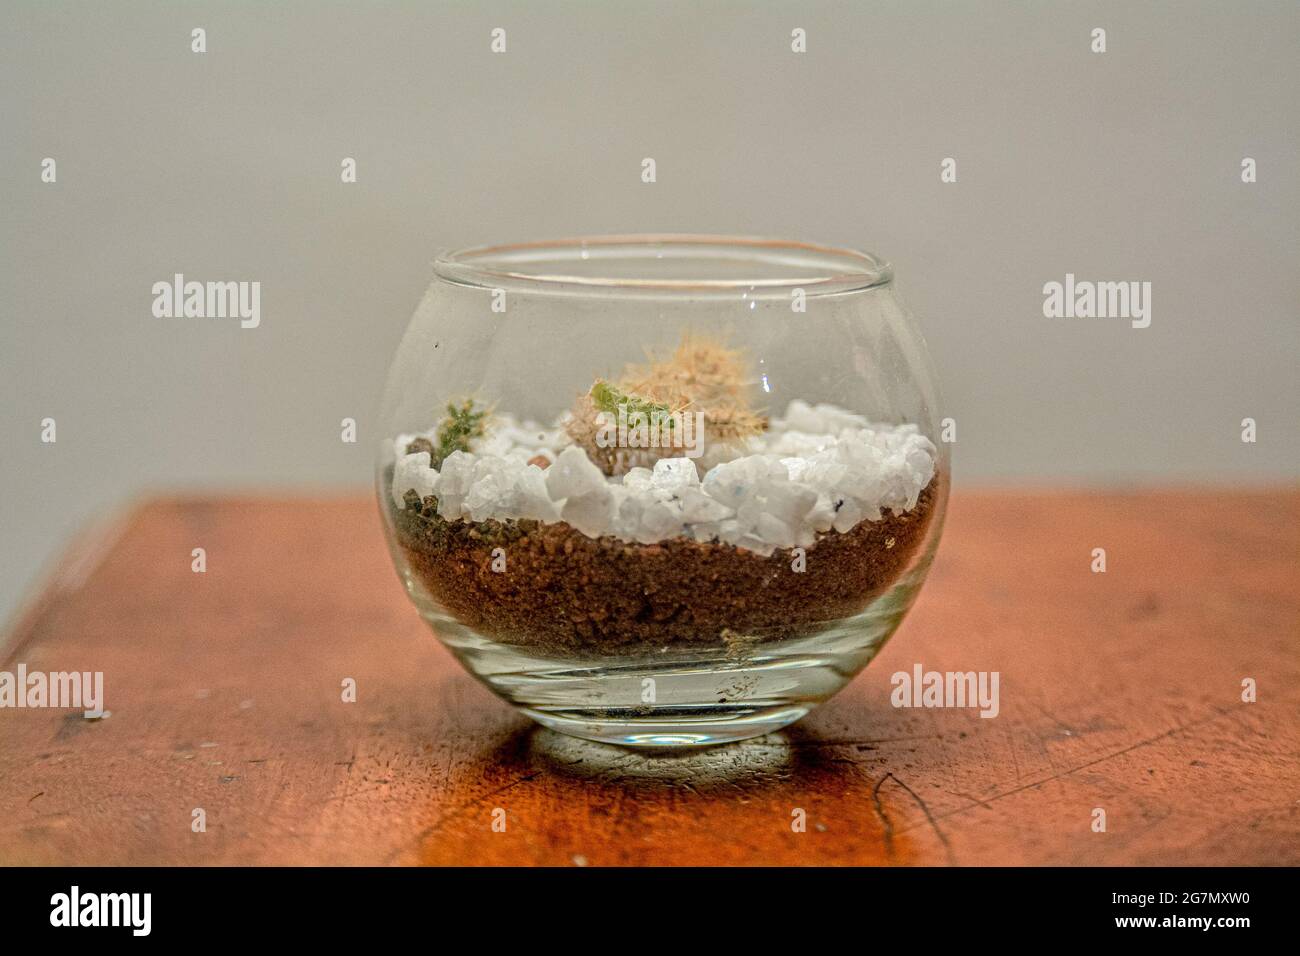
609 398
462 424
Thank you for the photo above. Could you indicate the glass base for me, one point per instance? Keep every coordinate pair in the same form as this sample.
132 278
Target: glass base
674 697
670 728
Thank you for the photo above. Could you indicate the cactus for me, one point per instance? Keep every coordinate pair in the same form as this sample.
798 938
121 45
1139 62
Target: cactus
595 410
608 398
461 425
703 369
701 375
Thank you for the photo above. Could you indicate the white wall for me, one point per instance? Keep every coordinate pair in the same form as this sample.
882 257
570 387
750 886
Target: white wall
1122 165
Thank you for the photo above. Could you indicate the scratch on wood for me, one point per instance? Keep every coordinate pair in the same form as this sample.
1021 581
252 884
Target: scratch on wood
885 823
972 798
925 808
437 824
1084 766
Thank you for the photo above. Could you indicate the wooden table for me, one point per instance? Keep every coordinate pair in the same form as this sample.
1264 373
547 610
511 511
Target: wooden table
1119 690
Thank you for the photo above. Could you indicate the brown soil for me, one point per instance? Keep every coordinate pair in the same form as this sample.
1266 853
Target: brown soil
564 591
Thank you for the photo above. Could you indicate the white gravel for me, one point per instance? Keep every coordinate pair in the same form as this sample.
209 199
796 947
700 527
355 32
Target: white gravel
817 468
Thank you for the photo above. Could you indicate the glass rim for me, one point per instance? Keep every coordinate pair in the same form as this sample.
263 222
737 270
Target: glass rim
767 267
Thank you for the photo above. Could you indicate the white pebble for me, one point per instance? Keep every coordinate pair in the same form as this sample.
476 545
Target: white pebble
699 508
592 513
658 521
673 474
818 469
572 475
412 473
847 515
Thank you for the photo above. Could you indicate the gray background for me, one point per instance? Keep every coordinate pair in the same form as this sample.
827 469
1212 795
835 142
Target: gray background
225 165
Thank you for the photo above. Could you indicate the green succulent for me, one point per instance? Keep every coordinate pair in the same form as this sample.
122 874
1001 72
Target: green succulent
462 424
608 398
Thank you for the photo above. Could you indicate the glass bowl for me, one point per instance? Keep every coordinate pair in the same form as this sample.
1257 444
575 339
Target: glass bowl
662 490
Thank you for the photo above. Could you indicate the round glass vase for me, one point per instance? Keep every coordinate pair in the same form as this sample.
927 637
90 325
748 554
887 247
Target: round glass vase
662 490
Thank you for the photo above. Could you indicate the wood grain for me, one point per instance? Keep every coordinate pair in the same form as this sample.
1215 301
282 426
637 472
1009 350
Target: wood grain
1119 690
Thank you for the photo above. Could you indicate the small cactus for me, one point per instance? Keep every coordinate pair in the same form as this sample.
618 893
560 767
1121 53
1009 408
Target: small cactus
594 411
608 398
701 368
461 425
701 376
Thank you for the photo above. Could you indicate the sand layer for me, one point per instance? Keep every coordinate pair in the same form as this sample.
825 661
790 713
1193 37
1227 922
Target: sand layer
564 591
